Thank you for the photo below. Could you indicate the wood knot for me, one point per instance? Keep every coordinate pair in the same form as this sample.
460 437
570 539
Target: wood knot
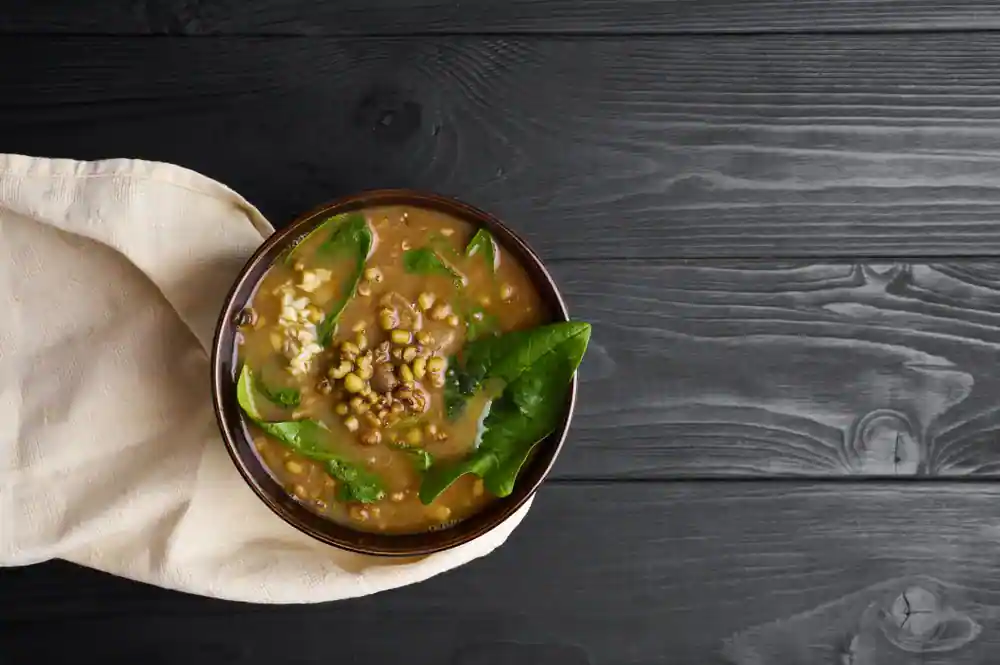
884 442
388 114
918 621
885 275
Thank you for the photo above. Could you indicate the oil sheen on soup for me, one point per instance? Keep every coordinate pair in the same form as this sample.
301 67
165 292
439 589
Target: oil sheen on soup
375 383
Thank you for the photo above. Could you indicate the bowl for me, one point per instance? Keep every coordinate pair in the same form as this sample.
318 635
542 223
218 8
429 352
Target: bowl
225 369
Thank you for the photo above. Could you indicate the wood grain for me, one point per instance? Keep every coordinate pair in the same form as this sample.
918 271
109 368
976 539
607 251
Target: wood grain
618 147
762 368
863 168
379 17
620 574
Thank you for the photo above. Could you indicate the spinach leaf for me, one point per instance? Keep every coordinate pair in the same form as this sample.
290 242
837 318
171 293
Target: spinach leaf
334 222
458 387
527 412
483 243
288 398
349 230
422 459
440 477
536 367
351 237
425 261
506 357
307 438
510 356
302 436
354 482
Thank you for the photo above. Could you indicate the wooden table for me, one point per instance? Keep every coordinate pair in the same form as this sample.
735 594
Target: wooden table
782 218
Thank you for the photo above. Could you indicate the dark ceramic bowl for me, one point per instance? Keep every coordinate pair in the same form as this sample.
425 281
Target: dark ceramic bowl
241 449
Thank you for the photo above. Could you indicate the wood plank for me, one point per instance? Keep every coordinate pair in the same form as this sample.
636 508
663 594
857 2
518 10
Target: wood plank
371 17
846 368
614 147
621 574
761 368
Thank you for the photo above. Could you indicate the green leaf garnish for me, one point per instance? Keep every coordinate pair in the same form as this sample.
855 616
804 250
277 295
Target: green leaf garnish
459 386
536 367
483 244
425 261
350 237
354 482
440 477
288 398
422 459
308 438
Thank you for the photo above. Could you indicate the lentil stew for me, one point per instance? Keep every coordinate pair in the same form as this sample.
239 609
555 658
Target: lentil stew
398 366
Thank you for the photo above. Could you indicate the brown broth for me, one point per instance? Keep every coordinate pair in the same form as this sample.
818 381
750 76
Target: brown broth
396 229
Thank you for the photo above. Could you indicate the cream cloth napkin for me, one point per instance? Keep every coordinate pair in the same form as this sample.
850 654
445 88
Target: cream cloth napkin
112 274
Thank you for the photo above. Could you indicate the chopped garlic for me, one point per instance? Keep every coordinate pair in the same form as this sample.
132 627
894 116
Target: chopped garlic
313 279
298 324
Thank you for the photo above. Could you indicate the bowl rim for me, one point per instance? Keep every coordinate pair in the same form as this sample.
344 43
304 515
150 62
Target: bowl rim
238 444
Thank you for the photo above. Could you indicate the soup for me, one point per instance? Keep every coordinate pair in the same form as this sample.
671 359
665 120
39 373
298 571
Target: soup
396 372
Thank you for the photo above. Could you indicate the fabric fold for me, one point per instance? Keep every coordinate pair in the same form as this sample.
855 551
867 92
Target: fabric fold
113 274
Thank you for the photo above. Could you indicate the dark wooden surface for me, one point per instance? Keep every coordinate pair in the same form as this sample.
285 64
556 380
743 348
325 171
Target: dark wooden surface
710 572
782 218
380 17
645 147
